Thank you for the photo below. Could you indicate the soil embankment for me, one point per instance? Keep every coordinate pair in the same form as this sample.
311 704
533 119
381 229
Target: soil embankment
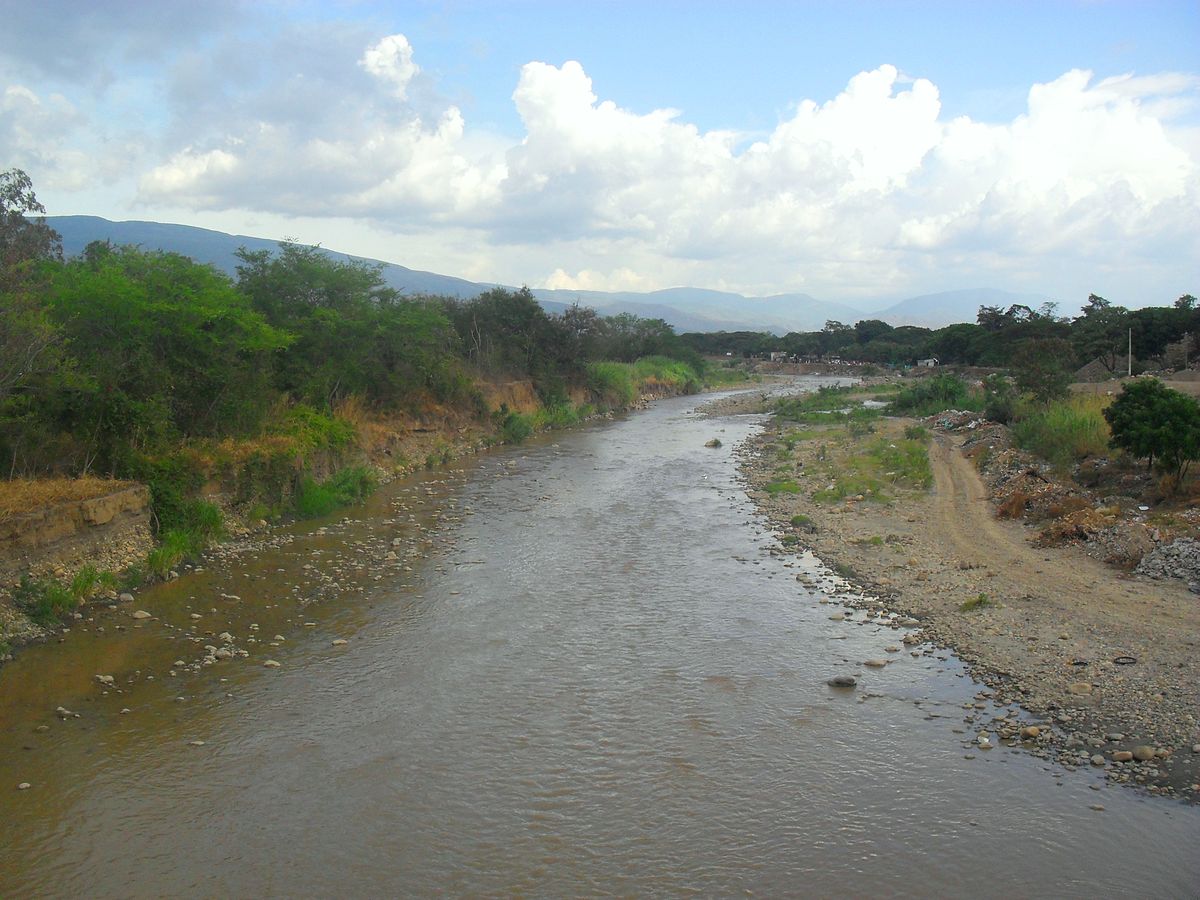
1105 659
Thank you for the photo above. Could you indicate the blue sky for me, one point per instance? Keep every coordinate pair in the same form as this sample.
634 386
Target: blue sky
847 150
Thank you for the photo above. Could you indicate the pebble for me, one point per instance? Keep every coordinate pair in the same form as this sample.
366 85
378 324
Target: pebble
24 786
1097 760
1030 731
340 642
843 681
142 614
1142 753
270 664
1122 756
105 679
1098 807
126 598
196 743
1080 687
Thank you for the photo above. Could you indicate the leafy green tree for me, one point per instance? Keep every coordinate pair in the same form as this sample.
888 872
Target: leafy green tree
1042 368
1151 421
165 348
1101 333
352 333
30 345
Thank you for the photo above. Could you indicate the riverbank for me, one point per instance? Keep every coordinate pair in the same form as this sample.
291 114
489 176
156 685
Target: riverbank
41 589
1105 661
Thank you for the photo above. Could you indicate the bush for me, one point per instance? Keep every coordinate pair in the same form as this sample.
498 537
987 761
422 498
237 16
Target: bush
350 485
999 399
933 395
1151 421
45 601
611 383
515 428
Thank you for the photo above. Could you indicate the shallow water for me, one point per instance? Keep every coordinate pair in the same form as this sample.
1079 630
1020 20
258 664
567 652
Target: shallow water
594 679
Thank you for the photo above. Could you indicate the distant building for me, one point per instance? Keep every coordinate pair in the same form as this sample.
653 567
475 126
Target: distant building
777 355
930 363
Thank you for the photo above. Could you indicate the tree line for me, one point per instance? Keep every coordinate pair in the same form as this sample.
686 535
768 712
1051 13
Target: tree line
999 338
114 357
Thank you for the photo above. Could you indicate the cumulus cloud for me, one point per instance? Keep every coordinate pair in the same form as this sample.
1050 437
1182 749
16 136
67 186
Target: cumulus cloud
873 185
391 62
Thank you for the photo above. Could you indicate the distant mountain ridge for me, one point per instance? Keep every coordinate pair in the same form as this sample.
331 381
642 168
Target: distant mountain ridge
686 308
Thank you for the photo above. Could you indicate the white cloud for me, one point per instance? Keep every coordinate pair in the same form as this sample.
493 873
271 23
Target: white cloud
844 195
391 61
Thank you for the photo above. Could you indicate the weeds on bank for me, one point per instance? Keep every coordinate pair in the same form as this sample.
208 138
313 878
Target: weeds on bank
47 601
1066 431
351 485
978 602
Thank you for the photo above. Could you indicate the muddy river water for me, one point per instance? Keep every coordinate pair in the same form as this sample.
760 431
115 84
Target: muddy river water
581 672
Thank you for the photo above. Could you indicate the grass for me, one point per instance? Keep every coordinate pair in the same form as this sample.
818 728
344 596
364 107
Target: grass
350 485
800 520
852 485
977 602
1065 431
20 495
47 601
783 487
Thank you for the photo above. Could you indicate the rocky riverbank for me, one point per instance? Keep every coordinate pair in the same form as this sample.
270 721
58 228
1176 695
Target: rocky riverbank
1096 667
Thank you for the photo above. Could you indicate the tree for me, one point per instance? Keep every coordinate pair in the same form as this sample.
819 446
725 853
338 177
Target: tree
1101 332
29 342
1151 421
1041 368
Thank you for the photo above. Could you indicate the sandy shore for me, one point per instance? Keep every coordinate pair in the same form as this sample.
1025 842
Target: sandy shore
1104 663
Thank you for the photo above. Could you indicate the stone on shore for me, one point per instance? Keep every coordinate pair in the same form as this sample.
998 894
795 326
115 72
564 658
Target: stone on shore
1142 753
141 614
842 681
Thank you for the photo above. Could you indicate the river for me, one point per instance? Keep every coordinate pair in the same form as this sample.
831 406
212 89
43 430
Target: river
584 673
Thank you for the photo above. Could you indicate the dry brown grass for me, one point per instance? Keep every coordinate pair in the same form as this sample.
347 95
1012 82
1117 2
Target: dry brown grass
22 495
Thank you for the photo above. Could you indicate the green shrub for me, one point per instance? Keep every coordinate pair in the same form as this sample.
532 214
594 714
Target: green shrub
515 428
918 433
933 395
801 519
977 602
350 485
612 383
999 399
45 601
1151 421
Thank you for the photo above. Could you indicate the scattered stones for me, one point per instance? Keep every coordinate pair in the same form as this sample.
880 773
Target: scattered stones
105 680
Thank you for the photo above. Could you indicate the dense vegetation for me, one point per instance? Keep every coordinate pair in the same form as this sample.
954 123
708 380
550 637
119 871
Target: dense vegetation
150 366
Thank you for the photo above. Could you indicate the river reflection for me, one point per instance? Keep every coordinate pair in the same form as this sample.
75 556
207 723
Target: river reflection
592 678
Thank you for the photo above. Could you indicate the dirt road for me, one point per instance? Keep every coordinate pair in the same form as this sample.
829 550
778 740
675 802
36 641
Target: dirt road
1097 652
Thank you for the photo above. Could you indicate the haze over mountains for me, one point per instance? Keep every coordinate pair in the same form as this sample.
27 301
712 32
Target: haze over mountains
686 308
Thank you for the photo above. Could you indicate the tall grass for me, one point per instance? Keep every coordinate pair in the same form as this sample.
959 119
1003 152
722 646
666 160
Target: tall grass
1066 431
612 383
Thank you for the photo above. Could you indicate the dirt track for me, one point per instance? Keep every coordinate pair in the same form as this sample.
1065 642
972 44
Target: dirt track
1053 622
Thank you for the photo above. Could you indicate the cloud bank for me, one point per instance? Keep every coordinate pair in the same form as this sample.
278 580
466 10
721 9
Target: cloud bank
873 187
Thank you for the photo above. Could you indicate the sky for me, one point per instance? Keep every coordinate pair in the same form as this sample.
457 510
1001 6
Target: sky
854 151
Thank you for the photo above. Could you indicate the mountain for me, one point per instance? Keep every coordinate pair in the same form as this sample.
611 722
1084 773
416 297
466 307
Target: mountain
686 308
948 307
219 249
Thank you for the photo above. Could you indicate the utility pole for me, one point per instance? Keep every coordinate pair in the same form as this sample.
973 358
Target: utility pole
1130 352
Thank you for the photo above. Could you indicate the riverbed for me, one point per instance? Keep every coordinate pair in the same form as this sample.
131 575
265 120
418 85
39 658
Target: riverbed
580 671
